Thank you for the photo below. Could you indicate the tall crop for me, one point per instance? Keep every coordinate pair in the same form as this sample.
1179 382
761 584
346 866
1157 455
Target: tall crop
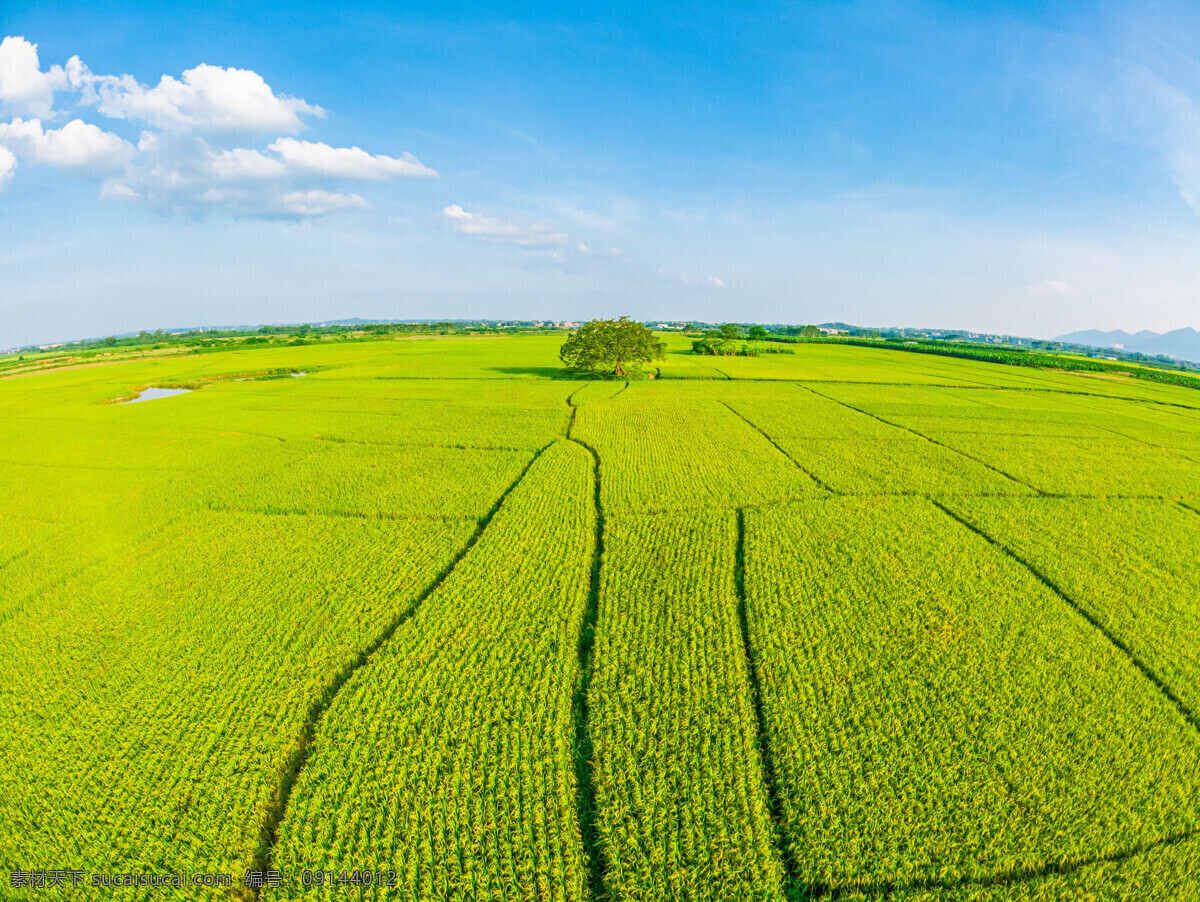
676 447
448 758
683 807
1131 565
149 707
853 453
935 713
345 621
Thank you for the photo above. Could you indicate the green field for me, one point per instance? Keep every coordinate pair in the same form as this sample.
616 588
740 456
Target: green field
844 624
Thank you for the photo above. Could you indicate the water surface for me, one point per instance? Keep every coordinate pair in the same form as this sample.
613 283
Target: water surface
151 393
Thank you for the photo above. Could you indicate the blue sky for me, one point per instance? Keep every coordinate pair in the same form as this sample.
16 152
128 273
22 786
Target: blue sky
1026 168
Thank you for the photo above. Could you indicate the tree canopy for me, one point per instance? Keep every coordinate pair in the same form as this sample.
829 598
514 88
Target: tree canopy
619 344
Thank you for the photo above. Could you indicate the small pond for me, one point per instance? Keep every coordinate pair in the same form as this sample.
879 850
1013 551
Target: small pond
151 393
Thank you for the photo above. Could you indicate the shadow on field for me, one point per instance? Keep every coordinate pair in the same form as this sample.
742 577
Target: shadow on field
542 372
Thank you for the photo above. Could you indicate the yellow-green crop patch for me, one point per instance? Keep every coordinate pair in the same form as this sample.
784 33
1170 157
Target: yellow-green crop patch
378 481
455 741
797 626
151 705
683 811
1131 565
936 713
709 456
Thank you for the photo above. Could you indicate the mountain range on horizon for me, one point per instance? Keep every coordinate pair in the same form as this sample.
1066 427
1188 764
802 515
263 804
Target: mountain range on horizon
1182 344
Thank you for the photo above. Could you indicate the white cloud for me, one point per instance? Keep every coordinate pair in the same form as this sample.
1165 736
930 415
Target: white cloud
313 158
1052 286
538 245
78 147
183 162
1178 127
207 99
503 229
25 89
115 190
8 165
242 163
346 162
320 203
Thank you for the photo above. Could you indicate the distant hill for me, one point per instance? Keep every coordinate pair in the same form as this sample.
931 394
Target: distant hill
1182 344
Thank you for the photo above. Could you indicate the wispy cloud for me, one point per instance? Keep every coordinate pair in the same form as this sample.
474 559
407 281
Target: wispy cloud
1052 286
1172 118
690 279
502 229
183 161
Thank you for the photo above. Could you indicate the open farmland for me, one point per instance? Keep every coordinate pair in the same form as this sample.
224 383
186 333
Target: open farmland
845 624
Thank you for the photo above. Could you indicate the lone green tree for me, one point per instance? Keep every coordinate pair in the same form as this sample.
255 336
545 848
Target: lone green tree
619 344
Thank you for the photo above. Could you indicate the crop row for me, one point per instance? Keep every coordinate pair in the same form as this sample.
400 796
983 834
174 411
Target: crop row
683 811
449 758
1130 565
935 713
381 481
149 708
679 448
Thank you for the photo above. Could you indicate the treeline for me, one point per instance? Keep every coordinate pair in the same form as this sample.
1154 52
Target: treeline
226 339
723 341
1014 357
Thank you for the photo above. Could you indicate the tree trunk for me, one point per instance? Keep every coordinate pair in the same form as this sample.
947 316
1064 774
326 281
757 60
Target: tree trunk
620 370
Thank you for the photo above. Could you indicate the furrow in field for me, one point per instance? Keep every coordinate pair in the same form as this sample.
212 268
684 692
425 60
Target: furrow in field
683 809
944 716
809 473
1129 567
277 807
450 757
672 447
978 460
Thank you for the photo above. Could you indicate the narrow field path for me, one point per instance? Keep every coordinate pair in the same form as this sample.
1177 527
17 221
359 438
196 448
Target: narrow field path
884 891
586 788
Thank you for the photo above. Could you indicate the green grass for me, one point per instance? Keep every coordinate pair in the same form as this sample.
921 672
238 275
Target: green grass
848 623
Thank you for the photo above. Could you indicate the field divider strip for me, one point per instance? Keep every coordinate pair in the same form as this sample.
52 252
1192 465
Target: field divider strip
218 508
277 807
927 438
770 775
977 386
807 472
1012 877
337 440
1187 713
586 808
